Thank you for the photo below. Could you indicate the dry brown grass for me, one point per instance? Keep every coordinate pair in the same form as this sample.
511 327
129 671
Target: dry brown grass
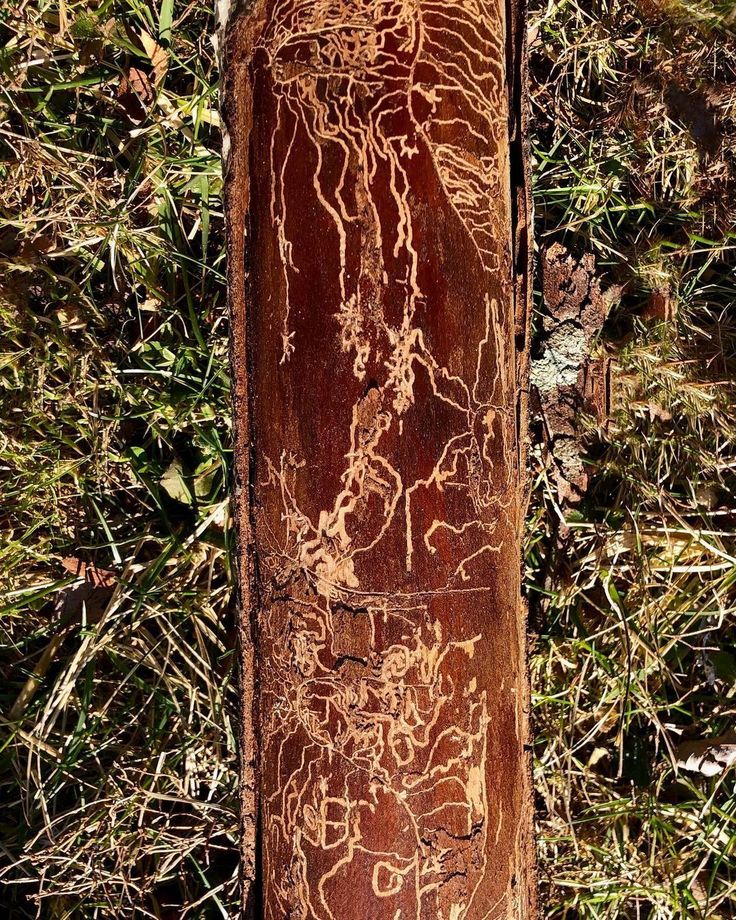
635 589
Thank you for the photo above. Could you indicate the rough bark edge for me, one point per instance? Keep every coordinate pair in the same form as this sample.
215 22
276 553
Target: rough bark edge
238 28
523 266
522 217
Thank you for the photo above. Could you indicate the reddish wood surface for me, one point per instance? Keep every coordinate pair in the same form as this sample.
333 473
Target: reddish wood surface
378 259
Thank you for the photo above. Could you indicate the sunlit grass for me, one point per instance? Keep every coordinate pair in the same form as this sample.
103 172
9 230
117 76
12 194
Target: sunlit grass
118 770
634 595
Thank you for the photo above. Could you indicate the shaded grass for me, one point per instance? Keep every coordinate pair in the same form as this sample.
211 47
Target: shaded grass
117 765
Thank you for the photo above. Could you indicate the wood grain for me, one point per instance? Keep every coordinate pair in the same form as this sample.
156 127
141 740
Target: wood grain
378 266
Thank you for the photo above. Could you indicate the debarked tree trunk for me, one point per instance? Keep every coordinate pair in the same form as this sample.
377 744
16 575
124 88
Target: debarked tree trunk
377 212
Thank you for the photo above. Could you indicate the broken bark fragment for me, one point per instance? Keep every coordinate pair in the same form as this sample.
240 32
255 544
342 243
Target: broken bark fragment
378 251
567 381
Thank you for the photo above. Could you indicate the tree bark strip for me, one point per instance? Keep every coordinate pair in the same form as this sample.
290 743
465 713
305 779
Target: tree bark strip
378 249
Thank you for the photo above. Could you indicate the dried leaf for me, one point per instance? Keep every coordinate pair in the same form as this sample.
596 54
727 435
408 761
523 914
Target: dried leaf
101 578
135 94
661 306
157 55
709 757
88 598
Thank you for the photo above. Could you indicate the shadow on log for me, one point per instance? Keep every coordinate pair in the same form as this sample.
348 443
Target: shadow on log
377 210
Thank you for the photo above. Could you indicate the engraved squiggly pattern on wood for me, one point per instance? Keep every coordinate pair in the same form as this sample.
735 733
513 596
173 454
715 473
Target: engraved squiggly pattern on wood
386 482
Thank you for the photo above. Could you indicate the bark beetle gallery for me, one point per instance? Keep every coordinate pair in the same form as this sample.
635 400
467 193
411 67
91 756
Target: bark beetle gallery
378 253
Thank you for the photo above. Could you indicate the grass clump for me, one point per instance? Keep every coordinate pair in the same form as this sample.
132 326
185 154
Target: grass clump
633 590
118 769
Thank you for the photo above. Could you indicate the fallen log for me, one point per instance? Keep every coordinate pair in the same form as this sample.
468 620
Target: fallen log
378 247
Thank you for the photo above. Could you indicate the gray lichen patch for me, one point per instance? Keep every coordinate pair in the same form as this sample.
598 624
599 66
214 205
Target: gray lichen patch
566 350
